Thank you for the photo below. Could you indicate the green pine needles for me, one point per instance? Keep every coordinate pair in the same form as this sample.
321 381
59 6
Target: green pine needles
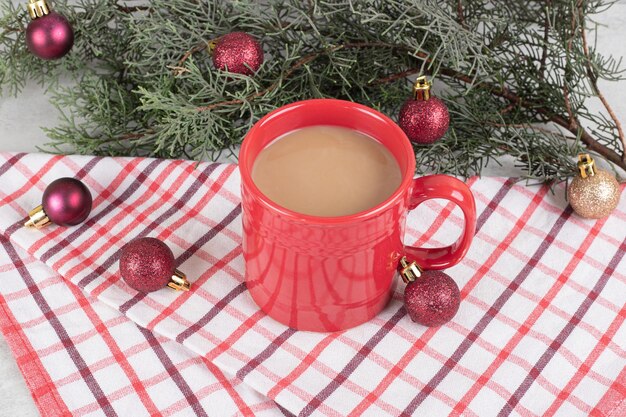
517 75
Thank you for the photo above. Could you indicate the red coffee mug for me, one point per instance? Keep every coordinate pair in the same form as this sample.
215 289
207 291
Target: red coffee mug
333 273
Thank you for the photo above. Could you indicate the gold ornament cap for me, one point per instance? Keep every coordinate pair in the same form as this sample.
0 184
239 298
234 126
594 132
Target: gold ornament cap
37 218
37 8
421 88
179 281
586 165
409 271
211 44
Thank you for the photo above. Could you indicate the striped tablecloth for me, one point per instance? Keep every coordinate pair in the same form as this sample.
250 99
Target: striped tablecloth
540 330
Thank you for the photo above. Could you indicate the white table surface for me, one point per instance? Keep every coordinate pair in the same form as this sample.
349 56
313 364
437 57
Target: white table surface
21 119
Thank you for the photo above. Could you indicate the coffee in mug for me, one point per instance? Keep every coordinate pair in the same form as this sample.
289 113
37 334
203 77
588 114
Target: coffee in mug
326 171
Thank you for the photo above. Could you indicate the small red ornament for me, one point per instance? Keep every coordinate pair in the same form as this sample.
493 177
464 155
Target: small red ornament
66 202
147 264
238 52
49 35
431 298
424 118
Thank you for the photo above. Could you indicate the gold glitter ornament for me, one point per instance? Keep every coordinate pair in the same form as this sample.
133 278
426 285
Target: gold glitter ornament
594 193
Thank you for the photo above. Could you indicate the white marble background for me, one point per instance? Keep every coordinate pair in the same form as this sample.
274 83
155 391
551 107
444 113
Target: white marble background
22 117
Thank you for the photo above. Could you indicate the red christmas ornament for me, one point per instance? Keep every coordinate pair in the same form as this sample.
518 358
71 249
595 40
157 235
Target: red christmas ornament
424 118
49 35
66 202
431 298
238 52
147 264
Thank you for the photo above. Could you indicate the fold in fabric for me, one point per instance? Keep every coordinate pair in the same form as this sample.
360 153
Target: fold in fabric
80 357
540 330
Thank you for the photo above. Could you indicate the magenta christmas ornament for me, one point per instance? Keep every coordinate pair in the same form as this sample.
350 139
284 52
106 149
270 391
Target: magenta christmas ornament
66 202
147 265
49 35
424 118
238 52
431 298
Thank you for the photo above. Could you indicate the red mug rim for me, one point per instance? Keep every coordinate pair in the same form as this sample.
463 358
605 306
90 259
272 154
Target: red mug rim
407 175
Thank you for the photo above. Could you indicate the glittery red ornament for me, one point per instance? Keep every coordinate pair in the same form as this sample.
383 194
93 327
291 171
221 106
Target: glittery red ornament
431 298
66 202
49 35
238 52
147 264
424 118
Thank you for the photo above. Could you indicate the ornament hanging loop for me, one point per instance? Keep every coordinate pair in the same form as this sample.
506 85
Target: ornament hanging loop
586 165
409 271
421 88
37 8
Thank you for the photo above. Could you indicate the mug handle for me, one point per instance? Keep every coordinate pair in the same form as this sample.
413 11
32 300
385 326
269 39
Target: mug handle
448 188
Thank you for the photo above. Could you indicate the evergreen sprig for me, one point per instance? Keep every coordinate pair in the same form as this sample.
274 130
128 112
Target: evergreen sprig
516 75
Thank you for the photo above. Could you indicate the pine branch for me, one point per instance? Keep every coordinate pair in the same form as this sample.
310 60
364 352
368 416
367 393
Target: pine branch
145 84
132 9
546 39
459 13
300 63
594 82
572 124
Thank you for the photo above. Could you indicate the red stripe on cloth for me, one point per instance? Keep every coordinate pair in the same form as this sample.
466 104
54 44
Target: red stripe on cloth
613 403
43 390
493 205
305 372
563 334
213 311
351 366
119 356
393 373
103 229
434 227
178 205
302 366
265 353
10 162
234 213
226 383
522 330
33 179
216 188
431 351
195 249
174 373
234 336
78 339
72 351
227 344
491 313
25 292
521 362
587 364
147 229
196 289
171 308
